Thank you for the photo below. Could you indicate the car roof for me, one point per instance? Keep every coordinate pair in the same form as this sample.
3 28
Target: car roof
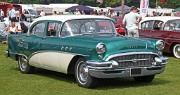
64 18
161 18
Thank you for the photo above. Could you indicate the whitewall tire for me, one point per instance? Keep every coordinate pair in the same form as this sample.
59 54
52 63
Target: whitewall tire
24 66
82 76
176 50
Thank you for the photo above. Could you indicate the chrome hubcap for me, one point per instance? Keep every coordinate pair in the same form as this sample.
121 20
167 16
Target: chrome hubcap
23 64
177 51
83 72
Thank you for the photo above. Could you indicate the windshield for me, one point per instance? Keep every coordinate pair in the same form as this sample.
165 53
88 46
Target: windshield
89 26
33 12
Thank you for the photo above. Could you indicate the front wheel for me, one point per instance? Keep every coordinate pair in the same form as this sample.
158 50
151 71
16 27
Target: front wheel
176 50
144 79
82 75
24 66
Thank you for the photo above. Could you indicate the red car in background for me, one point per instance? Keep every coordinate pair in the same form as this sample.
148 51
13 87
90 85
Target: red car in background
166 28
119 25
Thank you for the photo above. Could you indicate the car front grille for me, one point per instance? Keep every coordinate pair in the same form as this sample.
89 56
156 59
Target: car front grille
134 60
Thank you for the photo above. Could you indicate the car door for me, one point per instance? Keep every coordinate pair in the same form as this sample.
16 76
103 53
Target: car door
145 29
36 34
28 43
157 32
173 29
50 47
176 30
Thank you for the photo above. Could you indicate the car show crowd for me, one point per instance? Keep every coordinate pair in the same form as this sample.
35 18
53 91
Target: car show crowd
15 21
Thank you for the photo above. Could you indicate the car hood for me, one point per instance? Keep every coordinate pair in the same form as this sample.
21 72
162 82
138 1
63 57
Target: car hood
114 43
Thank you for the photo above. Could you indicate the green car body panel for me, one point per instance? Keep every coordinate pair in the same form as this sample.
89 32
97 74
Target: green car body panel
81 45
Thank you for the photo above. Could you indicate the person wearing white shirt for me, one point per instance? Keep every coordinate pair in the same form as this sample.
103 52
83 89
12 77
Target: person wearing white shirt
12 15
131 21
77 12
42 13
13 28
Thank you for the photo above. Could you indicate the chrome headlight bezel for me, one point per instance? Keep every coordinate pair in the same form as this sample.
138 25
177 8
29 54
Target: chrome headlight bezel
160 45
100 48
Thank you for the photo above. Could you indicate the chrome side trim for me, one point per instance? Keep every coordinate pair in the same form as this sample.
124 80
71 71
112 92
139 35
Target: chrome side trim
55 51
28 57
131 53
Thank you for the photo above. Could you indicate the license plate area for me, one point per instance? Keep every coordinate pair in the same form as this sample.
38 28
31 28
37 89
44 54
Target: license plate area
135 71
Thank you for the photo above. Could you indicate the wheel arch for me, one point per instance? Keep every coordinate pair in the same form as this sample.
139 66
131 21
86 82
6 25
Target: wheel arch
17 56
171 47
71 67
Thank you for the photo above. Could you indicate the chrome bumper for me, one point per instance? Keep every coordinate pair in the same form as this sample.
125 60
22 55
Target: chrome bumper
111 69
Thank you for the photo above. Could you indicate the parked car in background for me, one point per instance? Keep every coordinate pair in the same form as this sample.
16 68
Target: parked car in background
88 47
165 28
119 25
30 13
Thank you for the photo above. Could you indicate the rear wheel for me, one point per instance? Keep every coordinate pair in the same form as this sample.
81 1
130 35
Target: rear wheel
24 66
144 79
176 50
82 75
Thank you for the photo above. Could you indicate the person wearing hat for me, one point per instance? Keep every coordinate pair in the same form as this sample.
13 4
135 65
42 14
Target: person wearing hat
131 20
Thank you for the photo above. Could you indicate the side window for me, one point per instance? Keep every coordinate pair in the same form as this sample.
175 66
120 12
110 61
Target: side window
173 25
39 29
53 29
158 25
147 25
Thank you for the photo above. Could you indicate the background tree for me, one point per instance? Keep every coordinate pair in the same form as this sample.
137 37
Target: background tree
106 3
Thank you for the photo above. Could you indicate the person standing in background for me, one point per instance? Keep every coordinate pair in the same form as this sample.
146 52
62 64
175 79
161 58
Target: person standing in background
77 12
1 15
23 17
42 13
17 15
12 15
131 21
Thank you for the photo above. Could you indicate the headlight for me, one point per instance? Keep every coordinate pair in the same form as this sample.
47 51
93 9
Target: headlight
100 48
160 44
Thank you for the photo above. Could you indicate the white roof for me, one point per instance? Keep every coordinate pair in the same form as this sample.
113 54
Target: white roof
161 18
64 18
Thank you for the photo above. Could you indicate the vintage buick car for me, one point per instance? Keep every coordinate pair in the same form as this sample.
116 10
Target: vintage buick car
165 28
88 47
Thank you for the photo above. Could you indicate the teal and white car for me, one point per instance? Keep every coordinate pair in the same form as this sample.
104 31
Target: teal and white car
88 47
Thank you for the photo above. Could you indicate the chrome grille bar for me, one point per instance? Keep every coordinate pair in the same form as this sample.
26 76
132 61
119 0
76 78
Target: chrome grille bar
134 60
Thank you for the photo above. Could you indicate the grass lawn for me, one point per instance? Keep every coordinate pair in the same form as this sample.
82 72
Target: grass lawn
44 82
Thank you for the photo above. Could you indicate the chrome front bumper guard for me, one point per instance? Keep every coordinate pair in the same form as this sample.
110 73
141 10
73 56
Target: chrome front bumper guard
111 69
